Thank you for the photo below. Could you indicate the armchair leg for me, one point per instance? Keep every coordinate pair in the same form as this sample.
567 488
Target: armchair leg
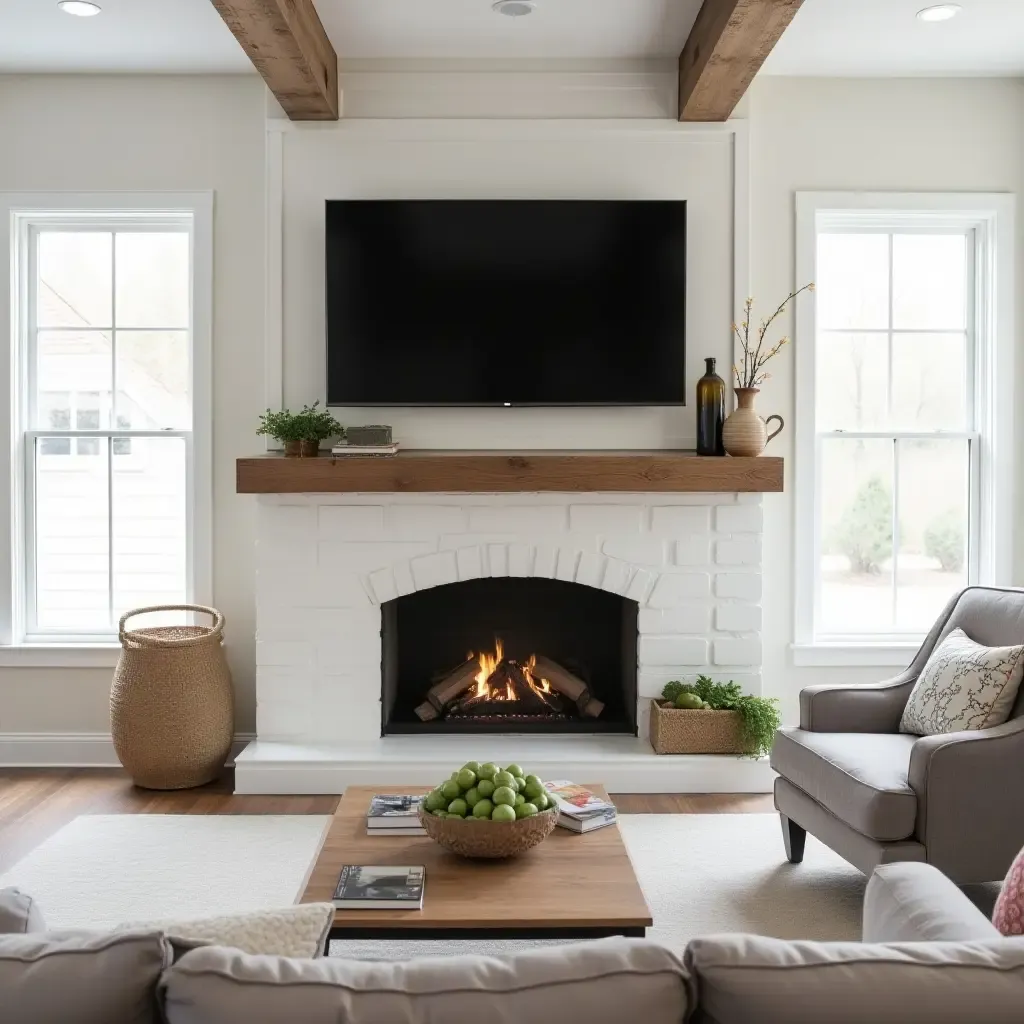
793 835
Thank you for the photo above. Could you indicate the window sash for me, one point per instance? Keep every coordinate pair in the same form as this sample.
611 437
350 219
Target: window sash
988 433
27 593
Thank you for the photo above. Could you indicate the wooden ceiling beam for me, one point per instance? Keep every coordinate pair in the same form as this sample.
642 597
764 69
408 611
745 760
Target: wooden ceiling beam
289 47
729 42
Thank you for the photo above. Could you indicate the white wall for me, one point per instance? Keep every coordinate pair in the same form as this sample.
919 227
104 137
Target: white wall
170 133
181 133
859 134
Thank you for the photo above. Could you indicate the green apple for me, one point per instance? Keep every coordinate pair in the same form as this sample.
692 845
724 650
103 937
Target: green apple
466 778
525 811
532 790
487 771
471 796
483 809
514 769
485 787
520 783
504 779
451 789
520 800
543 802
504 795
434 801
533 778
473 766
503 812
458 808
440 814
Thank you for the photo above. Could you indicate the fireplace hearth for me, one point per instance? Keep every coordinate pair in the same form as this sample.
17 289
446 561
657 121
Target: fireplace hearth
537 655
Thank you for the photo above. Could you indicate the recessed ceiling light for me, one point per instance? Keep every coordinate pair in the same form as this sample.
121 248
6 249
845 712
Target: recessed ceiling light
79 8
514 8
940 12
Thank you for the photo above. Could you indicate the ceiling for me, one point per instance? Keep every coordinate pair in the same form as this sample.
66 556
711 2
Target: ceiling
828 37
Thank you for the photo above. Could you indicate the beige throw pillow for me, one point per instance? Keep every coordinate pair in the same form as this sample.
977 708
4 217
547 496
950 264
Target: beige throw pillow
962 686
299 931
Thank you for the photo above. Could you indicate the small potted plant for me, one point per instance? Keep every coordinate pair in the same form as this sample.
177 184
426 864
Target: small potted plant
705 717
300 432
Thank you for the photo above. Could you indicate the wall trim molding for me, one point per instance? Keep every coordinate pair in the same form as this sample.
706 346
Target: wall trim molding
74 749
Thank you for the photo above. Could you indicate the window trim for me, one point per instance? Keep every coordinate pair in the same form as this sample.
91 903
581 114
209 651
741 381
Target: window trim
991 216
19 212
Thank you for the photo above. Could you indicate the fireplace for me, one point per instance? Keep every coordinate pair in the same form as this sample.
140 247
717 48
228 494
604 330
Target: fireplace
509 655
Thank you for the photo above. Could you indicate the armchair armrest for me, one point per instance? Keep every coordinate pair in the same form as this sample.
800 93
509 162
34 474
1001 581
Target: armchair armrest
970 814
875 707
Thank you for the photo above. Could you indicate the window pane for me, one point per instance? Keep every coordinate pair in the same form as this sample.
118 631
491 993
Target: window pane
149 526
929 381
68 362
71 539
933 512
152 379
73 285
853 374
152 278
852 282
929 282
856 536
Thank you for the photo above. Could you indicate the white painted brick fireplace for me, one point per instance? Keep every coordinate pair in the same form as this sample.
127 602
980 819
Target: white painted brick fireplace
326 562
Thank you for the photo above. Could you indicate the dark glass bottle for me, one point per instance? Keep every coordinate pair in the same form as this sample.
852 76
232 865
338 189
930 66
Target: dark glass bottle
710 411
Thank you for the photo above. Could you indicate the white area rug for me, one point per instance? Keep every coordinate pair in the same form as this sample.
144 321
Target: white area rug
701 873
105 869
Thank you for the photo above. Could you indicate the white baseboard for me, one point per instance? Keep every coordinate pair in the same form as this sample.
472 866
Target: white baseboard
73 749
629 766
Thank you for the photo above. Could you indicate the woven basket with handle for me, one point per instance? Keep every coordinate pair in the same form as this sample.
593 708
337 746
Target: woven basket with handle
171 702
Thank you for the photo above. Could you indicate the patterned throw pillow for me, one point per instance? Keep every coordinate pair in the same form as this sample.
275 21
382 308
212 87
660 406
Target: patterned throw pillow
1008 916
963 685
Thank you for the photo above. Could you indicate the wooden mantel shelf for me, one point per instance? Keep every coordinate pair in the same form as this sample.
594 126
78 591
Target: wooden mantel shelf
453 471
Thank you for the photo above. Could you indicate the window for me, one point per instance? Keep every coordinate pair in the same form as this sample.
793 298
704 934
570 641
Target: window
901 352
110 309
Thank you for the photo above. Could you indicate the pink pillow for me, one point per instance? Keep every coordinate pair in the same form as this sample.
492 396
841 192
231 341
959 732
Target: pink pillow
1008 917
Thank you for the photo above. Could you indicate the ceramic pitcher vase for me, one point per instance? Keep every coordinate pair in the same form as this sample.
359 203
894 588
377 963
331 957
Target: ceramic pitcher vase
744 432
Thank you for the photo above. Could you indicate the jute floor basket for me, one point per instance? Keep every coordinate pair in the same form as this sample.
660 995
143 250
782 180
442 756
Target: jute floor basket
696 732
171 703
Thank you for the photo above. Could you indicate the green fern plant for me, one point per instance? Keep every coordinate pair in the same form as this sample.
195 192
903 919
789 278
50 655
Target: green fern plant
760 715
310 424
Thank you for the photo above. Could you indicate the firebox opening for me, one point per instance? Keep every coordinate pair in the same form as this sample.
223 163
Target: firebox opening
509 655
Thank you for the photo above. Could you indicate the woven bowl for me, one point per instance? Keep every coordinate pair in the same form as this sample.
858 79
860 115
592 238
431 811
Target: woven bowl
489 839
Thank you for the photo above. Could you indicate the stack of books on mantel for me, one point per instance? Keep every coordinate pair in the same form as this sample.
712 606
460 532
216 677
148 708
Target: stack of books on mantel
394 816
579 810
362 450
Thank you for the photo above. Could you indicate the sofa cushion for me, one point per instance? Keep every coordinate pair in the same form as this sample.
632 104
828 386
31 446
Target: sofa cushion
746 978
299 931
19 913
82 978
963 685
910 902
604 982
861 778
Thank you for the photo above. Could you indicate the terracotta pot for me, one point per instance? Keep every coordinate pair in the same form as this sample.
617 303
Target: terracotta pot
744 432
301 449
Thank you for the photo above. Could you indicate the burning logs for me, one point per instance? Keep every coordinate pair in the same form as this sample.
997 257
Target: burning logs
493 685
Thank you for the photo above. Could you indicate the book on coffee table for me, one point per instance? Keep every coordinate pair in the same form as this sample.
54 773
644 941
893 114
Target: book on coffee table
580 810
380 887
395 815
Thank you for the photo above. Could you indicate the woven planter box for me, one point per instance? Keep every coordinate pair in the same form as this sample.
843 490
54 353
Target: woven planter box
674 731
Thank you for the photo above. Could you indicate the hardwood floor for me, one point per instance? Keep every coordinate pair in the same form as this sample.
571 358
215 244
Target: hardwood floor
35 803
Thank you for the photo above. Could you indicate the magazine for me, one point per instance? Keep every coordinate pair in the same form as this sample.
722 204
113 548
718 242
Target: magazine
379 887
577 801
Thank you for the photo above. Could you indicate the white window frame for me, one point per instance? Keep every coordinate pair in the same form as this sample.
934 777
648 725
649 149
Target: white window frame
20 215
991 218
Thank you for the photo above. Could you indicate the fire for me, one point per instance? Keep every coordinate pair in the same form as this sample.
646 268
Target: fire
489 661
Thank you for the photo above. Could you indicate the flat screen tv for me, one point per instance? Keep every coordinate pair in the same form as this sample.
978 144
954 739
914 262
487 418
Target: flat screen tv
506 302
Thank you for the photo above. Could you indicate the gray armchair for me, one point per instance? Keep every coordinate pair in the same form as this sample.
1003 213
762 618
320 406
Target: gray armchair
875 795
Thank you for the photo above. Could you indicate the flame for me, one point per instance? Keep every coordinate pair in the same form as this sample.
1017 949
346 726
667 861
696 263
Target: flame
489 661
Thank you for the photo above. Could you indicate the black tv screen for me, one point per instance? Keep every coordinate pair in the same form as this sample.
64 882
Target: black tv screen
506 302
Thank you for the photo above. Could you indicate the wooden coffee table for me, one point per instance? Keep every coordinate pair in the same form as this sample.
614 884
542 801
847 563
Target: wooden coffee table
570 886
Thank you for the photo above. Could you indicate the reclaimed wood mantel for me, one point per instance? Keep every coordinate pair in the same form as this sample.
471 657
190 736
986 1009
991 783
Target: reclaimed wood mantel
456 471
